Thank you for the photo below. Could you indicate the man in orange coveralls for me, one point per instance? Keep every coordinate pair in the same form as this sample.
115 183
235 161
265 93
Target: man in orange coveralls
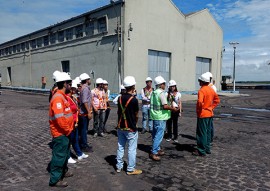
206 103
61 124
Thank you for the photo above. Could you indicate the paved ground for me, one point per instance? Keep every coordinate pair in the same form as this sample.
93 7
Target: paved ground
239 159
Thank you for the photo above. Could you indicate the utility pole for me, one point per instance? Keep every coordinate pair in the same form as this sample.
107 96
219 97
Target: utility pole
234 47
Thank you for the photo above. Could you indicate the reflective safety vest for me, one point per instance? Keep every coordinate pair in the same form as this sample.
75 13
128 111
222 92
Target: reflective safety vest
156 108
123 114
60 115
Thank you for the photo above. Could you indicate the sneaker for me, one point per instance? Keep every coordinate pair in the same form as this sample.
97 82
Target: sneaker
154 157
143 131
83 156
71 161
118 170
68 174
161 153
168 140
175 140
102 135
60 183
134 172
95 135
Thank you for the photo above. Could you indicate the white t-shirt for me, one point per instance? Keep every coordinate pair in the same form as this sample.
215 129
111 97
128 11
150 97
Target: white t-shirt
177 97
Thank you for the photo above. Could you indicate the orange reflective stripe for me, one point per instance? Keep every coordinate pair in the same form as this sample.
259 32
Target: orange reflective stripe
123 112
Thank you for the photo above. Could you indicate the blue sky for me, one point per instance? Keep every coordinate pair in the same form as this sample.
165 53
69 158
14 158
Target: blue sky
244 21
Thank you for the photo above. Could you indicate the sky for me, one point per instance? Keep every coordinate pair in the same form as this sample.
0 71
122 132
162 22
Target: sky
243 21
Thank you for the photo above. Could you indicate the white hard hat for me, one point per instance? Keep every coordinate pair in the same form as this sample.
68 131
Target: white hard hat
62 76
55 73
77 80
159 80
84 76
148 79
122 87
172 83
105 82
99 81
129 81
74 84
204 77
209 74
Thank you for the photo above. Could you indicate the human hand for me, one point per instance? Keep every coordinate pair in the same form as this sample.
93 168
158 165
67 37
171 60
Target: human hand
89 116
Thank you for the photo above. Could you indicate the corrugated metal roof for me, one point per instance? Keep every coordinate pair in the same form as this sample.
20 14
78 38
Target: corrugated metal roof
68 20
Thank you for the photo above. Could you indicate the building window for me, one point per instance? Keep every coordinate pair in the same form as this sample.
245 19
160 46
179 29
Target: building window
27 45
52 38
14 48
33 44
79 31
6 51
19 48
23 46
159 64
39 42
60 36
89 28
69 34
65 66
102 25
10 50
46 40
9 75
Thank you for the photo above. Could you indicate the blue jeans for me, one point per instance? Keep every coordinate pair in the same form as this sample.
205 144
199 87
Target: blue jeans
131 138
74 138
146 117
83 129
157 134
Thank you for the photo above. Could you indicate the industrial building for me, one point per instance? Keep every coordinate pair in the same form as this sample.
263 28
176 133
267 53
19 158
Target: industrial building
127 37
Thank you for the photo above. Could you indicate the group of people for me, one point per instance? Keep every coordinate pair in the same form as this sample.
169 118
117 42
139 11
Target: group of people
73 104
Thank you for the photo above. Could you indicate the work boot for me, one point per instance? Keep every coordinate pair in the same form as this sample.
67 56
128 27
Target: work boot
197 153
161 153
134 172
68 174
60 183
154 157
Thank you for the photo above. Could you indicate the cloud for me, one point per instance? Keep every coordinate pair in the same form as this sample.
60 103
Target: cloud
247 22
20 17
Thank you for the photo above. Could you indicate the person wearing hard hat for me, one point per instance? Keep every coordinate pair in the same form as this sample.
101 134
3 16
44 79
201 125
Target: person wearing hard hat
122 91
212 85
160 112
108 110
54 88
128 109
146 94
206 103
74 137
85 113
61 125
174 98
99 107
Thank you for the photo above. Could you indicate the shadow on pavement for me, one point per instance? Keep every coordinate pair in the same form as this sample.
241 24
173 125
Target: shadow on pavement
188 137
111 160
185 147
145 148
